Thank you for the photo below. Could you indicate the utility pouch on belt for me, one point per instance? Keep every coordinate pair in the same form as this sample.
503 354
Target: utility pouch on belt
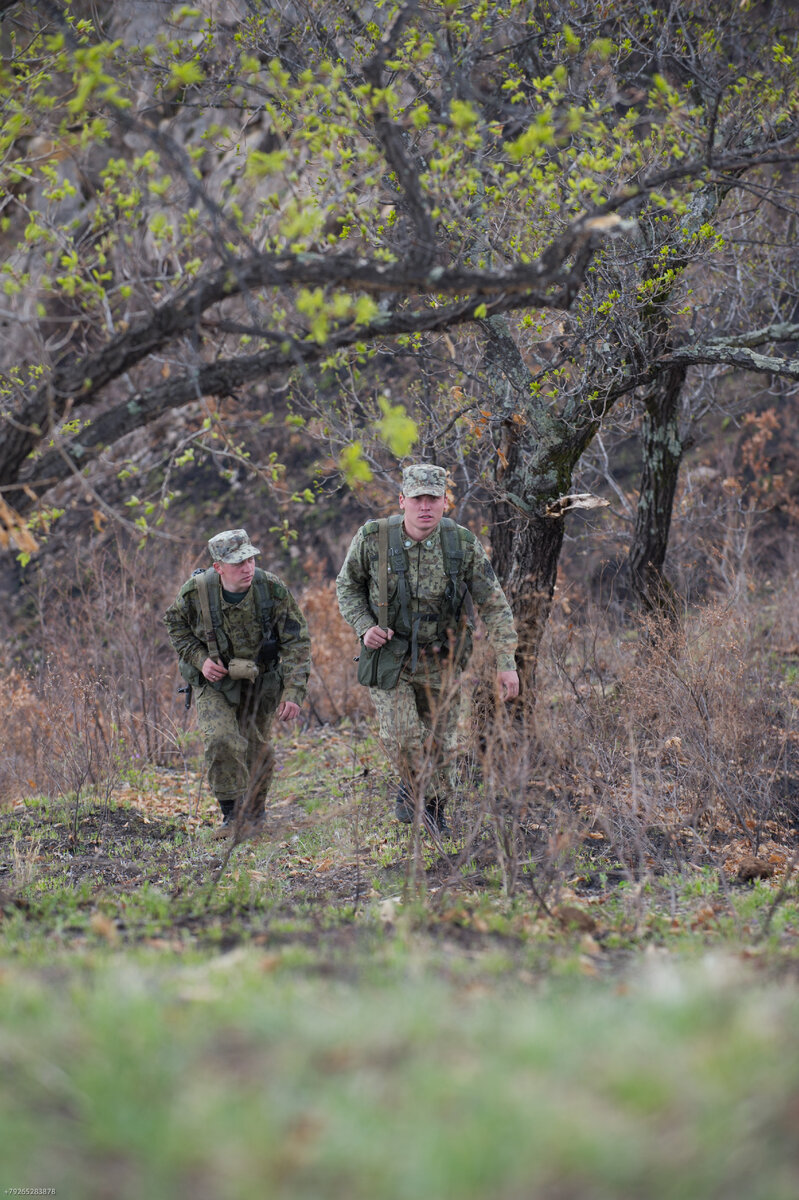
242 668
268 652
381 668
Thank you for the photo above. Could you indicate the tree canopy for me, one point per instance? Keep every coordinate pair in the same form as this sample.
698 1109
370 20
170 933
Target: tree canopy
588 201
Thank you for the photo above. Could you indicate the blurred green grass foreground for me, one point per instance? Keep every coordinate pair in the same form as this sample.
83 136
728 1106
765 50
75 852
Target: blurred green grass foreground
249 1075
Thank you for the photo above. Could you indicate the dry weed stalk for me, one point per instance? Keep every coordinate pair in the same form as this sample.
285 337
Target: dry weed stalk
680 744
105 625
334 692
20 742
62 743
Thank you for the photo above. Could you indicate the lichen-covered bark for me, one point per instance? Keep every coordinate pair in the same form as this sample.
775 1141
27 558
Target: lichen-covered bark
540 453
526 552
662 451
661 442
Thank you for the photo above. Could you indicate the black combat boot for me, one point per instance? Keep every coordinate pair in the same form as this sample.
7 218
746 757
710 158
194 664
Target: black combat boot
228 811
436 819
403 808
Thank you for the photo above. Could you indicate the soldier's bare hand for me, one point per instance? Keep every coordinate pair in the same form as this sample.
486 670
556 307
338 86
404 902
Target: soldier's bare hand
376 637
213 671
287 710
508 684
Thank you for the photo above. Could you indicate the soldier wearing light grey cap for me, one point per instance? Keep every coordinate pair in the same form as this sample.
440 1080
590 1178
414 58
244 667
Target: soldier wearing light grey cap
408 587
244 651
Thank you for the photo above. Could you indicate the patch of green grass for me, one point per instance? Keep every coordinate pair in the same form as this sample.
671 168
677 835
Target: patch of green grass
702 883
244 1076
183 1020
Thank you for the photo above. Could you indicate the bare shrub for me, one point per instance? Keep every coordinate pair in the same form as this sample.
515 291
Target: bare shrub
651 750
683 745
99 692
513 825
520 817
102 630
60 740
24 717
334 691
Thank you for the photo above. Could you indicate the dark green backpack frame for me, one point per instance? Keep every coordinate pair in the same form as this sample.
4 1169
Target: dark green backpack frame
209 595
381 668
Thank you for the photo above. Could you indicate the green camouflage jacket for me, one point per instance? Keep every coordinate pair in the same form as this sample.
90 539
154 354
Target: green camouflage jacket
242 627
357 586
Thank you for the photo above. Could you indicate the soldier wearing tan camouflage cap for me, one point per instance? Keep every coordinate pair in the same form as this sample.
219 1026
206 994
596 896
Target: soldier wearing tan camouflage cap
244 650
423 480
415 628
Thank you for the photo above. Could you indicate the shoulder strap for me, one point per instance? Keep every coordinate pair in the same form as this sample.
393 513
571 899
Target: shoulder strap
382 572
452 537
399 565
451 550
263 595
204 584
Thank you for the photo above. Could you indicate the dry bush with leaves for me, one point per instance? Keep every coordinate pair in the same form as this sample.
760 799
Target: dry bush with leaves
651 751
60 739
102 629
21 741
683 748
100 688
334 691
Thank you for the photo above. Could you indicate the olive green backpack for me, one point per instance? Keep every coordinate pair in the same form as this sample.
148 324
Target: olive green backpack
381 668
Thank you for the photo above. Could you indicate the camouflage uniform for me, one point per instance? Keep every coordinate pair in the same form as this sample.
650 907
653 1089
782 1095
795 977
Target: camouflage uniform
412 719
235 716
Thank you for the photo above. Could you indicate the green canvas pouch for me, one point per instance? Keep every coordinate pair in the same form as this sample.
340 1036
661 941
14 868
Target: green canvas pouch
381 668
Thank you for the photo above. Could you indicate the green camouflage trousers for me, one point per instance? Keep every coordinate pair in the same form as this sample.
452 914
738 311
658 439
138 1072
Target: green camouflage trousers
418 722
239 758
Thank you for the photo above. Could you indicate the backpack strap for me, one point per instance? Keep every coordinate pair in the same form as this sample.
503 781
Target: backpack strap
399 565
382 572
263 596
204 585
453 555
451 551
268 656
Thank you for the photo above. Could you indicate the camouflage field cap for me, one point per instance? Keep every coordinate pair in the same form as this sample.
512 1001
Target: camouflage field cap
424 480
231 546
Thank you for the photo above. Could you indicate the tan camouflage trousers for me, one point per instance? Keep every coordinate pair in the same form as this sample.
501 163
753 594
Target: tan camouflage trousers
239 757
418 725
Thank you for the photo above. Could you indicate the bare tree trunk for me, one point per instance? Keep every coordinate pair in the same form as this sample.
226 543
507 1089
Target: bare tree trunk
538 457
662 451
526 552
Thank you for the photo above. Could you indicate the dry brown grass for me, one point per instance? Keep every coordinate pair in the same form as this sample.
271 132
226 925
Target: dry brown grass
647 752
25 725
334 692
681 748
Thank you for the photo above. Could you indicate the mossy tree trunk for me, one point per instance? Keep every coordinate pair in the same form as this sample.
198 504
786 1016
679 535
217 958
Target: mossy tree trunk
537 456
662 452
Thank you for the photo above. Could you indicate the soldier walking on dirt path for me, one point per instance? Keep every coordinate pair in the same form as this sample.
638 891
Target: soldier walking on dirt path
244 650
409 586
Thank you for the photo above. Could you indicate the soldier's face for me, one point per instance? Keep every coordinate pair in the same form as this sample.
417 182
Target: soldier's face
422 514
236 577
